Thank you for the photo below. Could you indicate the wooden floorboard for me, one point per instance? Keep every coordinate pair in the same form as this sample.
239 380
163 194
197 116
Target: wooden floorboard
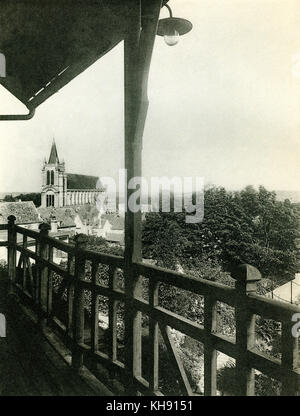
29 365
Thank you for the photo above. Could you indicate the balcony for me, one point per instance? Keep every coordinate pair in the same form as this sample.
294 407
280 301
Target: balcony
49 319
64 334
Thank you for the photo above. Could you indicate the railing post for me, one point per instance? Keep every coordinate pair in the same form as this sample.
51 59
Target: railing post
78 302
210 353
246 277
11 252
289 359
43 273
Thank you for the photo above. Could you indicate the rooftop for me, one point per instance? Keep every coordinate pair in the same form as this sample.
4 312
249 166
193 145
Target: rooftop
75 181
53 158
65 216
68 42
25 212
116 221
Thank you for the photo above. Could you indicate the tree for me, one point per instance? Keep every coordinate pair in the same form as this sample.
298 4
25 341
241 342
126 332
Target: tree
34 197
238 227
8 198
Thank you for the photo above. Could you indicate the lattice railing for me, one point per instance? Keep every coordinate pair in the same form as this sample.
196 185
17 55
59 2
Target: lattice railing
102 310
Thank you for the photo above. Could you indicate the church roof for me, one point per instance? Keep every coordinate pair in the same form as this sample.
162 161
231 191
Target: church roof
25 212
53 158
75 181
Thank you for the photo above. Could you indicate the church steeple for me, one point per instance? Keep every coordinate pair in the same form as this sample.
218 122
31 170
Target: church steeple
53 154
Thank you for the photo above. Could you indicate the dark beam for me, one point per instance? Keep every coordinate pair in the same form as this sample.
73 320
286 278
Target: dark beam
138 47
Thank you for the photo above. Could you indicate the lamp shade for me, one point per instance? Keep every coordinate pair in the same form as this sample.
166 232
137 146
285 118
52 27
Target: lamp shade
171 25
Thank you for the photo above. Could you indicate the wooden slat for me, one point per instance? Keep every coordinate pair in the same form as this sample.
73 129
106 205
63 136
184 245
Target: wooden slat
270 366
108 259
70 296
104 291
198 286
28 232
176 362
224 344
289 360
94 309
11 252
270 308
153 338
60 245
78 304
24 262
172 319
210 353
112 315
50 284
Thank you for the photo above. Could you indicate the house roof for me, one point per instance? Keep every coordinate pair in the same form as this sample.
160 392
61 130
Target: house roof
48 43
116 221
88 213
25 212
65 216
75 181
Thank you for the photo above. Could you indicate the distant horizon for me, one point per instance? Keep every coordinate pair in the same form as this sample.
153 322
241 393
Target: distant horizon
223 104
278 191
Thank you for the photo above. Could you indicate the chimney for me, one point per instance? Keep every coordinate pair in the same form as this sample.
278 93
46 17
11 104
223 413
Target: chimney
53 223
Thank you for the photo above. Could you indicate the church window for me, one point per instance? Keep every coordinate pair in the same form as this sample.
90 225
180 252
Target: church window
52 177
50 200
48 177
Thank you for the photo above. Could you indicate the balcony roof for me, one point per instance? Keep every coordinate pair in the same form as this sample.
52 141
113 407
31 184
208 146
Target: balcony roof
46 47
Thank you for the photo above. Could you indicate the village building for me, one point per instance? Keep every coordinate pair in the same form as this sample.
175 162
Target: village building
26 215
111 227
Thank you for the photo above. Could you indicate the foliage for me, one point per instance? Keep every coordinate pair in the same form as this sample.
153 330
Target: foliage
226 384
34 196
238 227
3 266
102 246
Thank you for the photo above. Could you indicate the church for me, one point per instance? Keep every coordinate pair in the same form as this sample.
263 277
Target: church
61 189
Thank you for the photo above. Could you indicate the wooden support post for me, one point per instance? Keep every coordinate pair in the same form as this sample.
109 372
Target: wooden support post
153 335
70 298
11 254
210 354
112 315
43 274
246 277
138 47
50 284
94 309
78 302
24 263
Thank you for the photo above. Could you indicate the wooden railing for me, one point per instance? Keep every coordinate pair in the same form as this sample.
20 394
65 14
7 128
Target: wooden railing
32 274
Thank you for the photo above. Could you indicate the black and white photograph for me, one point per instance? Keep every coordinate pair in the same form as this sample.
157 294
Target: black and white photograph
149 201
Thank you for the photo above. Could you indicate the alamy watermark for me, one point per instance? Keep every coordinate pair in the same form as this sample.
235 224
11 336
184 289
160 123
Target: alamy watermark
2 326
296 326
156 194
2 65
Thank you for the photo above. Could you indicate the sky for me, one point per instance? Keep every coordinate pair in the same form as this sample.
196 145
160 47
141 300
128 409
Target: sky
224 105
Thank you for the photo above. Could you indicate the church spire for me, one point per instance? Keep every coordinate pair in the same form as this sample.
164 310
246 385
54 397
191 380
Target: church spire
53 154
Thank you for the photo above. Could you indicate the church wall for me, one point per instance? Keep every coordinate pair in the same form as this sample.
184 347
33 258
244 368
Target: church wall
62 196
